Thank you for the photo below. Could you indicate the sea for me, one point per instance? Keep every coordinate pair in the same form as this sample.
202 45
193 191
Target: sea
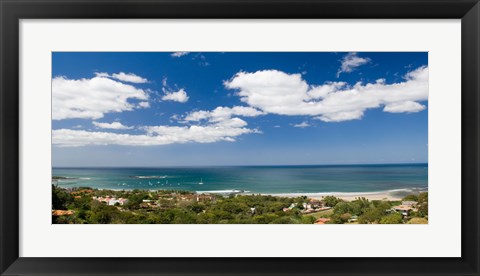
314 179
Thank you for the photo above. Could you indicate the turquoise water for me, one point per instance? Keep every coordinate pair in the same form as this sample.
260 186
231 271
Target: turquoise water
257 179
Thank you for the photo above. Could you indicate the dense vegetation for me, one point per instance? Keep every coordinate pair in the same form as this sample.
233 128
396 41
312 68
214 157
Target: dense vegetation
378 211
182 207
232 209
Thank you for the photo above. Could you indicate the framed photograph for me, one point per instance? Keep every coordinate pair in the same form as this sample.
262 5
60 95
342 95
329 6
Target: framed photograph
239 137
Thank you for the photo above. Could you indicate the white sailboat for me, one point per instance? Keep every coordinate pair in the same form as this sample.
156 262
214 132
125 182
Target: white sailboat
201 182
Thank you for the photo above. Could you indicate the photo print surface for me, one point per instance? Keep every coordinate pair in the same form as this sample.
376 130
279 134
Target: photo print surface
240 137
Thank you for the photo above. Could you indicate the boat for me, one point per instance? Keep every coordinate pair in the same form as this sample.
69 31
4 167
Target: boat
201 182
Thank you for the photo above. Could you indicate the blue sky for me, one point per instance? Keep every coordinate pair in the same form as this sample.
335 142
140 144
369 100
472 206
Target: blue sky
228 108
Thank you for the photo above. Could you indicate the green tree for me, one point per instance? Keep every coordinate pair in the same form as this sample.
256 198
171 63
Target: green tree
197 208
103 214
422 204
394 218
337 219
410 198
342 208
60 198
418 221
422 197
331 201
307 220
371 215
83 203
361 203
234 207
135 199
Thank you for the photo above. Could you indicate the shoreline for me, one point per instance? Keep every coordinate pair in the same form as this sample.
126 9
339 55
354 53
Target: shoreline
390 195
349 196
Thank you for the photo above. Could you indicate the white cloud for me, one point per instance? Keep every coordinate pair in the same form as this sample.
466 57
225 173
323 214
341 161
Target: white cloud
226 130
321 91
341 116
179 54
114 125
264 92
276 92
144 104
201 59
102 75
222 113
302 125
125 77
407 106
197 116
179 96
351 61
92 98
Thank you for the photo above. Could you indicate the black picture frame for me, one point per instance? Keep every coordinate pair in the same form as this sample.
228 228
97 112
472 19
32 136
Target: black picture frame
11 11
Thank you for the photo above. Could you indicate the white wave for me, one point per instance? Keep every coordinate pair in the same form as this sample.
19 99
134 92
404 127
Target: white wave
221 191
412 190
150 176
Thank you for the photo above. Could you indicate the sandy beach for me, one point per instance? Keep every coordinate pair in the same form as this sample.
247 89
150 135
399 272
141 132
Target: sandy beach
383 195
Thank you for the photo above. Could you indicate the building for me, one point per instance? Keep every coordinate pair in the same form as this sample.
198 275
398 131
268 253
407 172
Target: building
58 213
205 197
322 221
315 203
404 209
353 219
122 201
111 200
82 191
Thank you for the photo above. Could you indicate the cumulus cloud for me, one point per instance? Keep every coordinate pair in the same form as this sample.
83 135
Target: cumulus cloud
226 130
222 113
341 116
92 98
277 92
262 92
402 107
114 125
321 91
179 54
178 96
125 77
144 104
302 125
351 61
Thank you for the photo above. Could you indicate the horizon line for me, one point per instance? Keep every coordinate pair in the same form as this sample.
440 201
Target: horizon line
266 165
